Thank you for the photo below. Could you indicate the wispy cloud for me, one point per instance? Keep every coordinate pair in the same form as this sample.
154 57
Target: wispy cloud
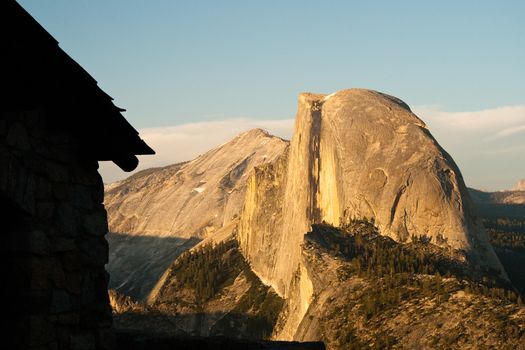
488 145
507 132
516 149
487 120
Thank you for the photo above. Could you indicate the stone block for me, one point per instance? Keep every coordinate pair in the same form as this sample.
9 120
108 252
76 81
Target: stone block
62 139
35 164
63 339
38 243
58 276
59 154
34 242
96 223
72 261
41 331
70 318
98 193
96 315
83 340
28 199
61 191
57 172
85 174
82 197
5 158
74 282
3 127
62 244
95 249
106 338
17 137
32 117
67 219
44 190
94 290
38 302
21 186
60 301
44 272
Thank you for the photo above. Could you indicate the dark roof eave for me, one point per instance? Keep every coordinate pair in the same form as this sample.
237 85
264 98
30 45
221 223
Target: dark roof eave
104 132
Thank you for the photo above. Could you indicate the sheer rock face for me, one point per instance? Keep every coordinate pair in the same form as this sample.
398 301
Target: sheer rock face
356 153
190 199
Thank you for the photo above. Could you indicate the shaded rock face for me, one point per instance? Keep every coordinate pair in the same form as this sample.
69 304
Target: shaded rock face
209 291
158 213
356 153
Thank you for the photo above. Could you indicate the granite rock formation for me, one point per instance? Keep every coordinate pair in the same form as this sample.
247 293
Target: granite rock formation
190 199
157 213
355 153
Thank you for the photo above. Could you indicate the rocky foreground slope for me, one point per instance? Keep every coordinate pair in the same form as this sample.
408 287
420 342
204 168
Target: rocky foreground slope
158 213
369 292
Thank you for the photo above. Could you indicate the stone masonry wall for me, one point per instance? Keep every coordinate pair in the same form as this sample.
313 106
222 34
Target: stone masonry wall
53 244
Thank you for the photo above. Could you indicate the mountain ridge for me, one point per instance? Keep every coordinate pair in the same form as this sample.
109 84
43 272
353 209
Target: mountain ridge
357 159
355 153
156 214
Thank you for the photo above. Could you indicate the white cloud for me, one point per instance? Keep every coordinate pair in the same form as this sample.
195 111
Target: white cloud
174 144
507 132
487 145
488 120
517 149
480 128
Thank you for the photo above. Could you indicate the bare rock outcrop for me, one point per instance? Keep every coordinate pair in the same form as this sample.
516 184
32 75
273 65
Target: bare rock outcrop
158 213
190 199
355 153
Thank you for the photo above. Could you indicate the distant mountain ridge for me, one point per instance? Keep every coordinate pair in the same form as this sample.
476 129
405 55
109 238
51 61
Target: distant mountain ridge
157 213
190 199
510 204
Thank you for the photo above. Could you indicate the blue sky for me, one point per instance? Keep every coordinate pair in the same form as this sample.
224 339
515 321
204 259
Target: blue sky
171 63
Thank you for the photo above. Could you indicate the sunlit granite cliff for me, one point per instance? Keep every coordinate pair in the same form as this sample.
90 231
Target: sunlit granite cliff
354 154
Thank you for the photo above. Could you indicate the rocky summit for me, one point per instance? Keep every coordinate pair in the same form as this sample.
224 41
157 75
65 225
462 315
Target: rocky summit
354 154
190 199
157 213
359 232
